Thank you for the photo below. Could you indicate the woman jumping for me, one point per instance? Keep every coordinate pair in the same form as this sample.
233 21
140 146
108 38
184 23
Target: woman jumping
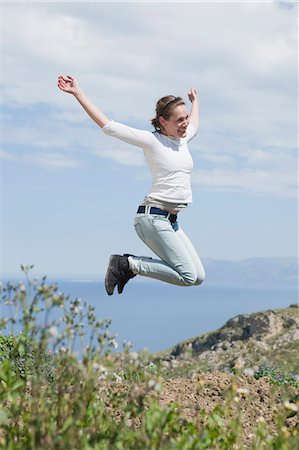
170 163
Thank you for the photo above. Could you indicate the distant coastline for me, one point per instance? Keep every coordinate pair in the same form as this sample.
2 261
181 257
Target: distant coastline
257 271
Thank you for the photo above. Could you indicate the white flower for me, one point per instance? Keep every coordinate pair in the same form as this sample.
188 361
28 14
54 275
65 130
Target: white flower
117 378
96 365
114 343
152 384
53 331
22 287
134 355
101 369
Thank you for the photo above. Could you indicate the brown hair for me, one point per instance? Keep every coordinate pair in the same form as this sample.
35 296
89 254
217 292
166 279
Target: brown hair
164 108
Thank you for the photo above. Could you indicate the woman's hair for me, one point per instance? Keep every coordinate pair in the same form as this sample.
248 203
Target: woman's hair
164 108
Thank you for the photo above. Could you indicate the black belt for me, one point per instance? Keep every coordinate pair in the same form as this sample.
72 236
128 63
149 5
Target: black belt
160 212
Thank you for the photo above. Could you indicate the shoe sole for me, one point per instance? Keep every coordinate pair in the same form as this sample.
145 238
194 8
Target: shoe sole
107 275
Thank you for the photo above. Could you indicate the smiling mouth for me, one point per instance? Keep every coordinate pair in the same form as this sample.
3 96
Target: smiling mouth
182 132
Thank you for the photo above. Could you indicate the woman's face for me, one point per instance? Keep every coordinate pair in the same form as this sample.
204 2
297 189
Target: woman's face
176 125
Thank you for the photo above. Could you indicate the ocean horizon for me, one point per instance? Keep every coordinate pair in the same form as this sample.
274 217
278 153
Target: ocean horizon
155 316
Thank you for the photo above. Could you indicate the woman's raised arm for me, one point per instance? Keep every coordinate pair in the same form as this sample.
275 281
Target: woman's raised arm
194 116
70 85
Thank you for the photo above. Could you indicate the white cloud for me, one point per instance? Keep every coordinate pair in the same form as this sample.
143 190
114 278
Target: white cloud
242 56
6 156
127 157
53 160
253 181
49 160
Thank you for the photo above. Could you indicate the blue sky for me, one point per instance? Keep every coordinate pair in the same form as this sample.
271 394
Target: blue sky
69 193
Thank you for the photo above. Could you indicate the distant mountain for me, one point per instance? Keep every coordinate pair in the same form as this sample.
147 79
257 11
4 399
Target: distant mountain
276 272
252 341
253 272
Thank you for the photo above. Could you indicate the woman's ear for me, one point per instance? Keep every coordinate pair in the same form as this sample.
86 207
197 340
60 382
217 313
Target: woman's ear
162 121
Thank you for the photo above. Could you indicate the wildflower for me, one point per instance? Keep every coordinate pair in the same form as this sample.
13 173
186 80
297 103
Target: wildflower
117 378
102 370
127 345
151 383
22 287
156 386
53 331
96 366
114 343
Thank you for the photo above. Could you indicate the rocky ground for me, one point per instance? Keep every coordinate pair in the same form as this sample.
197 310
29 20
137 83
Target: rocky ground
200 377
219 370
243 403
246 342
253 401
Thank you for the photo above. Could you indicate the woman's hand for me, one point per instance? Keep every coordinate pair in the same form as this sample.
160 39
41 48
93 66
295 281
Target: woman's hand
192 94
68 84
194 115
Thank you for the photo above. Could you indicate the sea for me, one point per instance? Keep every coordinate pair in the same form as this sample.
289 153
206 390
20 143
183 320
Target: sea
155 316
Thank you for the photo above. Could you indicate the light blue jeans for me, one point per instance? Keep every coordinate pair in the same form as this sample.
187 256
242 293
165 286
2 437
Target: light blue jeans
179 263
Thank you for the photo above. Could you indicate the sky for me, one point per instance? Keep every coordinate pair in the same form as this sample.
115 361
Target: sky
69 193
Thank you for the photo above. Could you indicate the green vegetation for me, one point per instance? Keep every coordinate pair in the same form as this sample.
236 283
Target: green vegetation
54 398
276 377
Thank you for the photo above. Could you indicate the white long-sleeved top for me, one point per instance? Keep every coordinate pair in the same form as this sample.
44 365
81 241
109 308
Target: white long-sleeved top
168 158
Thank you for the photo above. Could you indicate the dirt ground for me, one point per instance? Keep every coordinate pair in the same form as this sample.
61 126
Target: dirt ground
240 399
242 396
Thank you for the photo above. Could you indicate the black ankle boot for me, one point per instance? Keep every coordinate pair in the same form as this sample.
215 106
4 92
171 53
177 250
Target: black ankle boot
118 273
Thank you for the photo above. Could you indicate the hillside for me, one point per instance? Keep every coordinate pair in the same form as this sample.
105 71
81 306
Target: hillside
128 400
247 342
